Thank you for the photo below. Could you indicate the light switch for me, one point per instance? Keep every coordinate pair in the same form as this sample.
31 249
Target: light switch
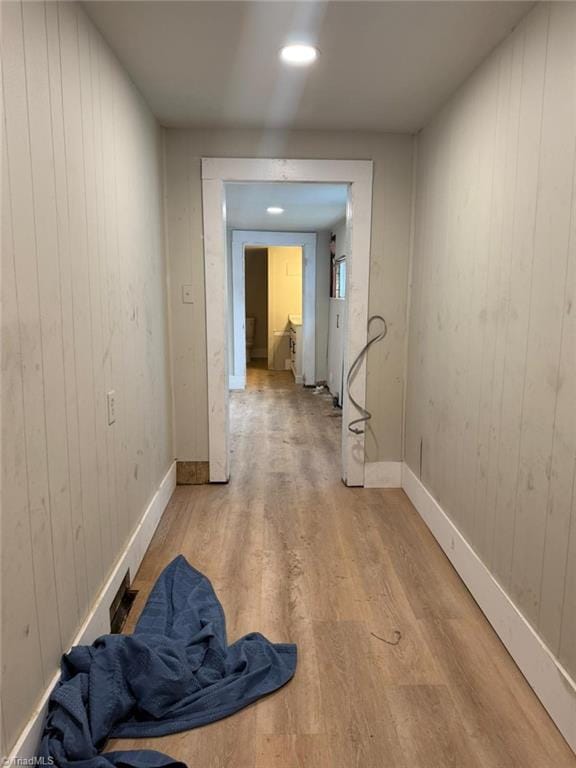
187 297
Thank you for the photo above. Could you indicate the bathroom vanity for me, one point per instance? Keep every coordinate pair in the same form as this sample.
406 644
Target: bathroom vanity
295 330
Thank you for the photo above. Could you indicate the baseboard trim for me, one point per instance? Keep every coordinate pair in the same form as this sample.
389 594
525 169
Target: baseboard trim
383 474
549 680
98 620
298 377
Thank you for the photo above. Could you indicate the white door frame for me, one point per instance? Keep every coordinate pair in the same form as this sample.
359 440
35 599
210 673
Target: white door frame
215 173
307 241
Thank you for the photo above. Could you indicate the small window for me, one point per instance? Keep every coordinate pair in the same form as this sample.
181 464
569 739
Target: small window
338 272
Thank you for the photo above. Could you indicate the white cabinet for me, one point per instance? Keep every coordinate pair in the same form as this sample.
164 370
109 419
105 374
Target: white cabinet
295 328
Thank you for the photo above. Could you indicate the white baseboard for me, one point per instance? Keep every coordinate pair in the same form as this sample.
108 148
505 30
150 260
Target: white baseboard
298 377
383 474
98 620
551 683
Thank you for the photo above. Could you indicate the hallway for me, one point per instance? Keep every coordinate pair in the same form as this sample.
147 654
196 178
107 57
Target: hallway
296 555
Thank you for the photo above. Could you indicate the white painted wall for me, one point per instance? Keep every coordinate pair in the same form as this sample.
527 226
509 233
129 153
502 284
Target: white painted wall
392 156
284 299
492 352
84 311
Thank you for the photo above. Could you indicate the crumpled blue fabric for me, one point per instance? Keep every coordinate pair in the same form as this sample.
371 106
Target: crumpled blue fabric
174 673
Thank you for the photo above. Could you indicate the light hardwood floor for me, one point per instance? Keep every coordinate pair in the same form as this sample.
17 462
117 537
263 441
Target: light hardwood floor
296 555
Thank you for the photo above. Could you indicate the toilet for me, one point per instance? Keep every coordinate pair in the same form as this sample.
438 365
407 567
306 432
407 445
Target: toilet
250 324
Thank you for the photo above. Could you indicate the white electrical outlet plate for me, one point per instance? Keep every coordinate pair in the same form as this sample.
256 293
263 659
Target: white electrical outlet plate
111 403
187 297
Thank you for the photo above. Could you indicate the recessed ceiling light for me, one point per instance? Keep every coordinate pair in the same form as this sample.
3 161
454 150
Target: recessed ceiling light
299 54
274 209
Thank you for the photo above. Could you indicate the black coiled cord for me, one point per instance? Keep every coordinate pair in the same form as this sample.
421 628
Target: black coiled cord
353 370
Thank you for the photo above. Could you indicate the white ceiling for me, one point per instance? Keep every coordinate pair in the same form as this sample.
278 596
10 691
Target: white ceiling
383 65
307 207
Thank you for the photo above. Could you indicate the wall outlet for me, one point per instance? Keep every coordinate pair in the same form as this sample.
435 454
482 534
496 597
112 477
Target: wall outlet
111 403
187 297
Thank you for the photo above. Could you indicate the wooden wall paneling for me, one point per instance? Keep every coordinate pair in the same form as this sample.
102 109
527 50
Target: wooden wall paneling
156 312
414 413
562 471
555 587
65 294
82 247
47 244
117 287
425 301
551 238
103 194
29 317
129 412
488 259
435 337
113 289
94 222
152 280
472 127
121 367
72 91
141 269
495 309
492 352
452 283
522 224
128 313
477 289
78 564
20 640
502 306
162 429
567 650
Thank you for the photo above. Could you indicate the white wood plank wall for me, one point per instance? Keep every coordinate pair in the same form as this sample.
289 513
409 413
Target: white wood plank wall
492 348
83 312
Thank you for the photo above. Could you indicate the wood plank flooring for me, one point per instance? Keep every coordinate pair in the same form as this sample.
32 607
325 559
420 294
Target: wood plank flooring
296 555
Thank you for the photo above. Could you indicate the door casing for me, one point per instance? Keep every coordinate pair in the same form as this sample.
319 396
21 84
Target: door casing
307 241
216 172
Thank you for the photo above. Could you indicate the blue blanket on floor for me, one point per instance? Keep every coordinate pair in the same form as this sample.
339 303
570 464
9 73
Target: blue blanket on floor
174 673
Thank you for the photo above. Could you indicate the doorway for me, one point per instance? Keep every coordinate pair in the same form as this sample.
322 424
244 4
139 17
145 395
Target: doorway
216 172
242 240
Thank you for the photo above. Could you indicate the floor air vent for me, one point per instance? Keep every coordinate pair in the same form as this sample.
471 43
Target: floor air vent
121 605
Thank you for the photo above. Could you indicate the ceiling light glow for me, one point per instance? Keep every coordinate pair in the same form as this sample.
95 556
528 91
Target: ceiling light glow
299 54
274 209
